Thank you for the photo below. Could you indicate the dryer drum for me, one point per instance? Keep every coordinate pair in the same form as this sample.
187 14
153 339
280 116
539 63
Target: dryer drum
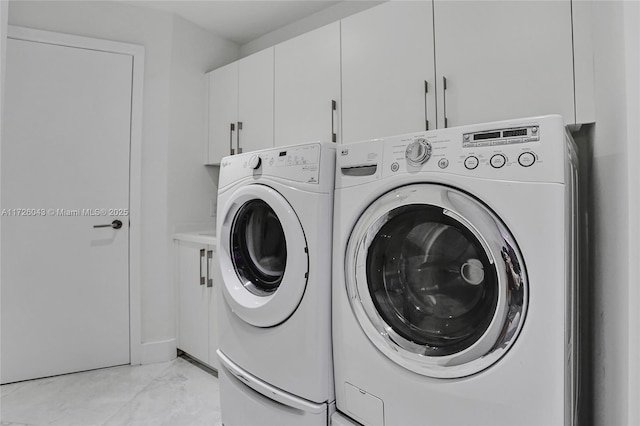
431 280
436 280
259 250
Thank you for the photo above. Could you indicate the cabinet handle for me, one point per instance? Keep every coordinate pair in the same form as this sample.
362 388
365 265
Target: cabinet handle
231 130
238 136
334 108
202 279
426 91
209 279
444 100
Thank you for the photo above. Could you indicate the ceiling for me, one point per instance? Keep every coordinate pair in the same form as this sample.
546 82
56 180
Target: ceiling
240 21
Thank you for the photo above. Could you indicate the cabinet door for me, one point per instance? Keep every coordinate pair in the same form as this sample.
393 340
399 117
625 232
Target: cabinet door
255 101
214 291
387 56
193 305
223 111
307 84
503 59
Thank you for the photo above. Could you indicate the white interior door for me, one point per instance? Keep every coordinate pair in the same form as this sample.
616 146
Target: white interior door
65 169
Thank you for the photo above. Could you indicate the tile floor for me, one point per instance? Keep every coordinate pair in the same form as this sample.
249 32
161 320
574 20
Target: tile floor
174 393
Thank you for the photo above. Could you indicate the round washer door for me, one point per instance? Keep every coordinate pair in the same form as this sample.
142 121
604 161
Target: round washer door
436 280
263 256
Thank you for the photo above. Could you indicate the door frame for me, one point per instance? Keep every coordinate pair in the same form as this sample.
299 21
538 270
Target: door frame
135 158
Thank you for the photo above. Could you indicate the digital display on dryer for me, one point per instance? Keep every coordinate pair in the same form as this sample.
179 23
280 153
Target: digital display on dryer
512 133
489 135
501 136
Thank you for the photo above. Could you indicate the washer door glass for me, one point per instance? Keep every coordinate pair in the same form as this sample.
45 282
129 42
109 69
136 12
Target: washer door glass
435 280
259 249
263 254
431 280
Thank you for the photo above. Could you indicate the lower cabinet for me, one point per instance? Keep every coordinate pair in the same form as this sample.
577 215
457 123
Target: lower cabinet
198 278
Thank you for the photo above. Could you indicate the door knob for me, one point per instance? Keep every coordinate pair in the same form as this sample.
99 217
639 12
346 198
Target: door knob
116 224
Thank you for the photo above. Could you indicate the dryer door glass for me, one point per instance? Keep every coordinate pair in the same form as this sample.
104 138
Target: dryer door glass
431 280
259 249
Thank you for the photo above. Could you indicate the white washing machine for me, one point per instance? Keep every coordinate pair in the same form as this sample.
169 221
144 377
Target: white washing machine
454 276
275 211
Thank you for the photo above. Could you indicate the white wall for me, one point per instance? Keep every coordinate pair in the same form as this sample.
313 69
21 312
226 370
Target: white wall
172 123
4 15
632 67
615 216
192 187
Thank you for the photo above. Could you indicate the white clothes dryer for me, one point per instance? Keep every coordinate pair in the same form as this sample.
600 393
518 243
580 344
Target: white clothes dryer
454 276
274 231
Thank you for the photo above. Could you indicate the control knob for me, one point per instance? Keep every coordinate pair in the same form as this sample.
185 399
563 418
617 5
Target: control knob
418 152
255 162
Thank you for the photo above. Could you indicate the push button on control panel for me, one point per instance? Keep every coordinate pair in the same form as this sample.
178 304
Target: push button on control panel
498 161
526 159
471 162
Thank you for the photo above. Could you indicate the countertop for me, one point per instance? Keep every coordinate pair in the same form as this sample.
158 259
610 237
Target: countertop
204 237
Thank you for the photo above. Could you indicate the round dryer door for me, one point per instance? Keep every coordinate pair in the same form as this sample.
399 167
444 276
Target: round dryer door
263 256
436 280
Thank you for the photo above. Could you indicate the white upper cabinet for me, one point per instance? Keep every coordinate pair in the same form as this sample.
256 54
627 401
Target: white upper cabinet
307 87
255 101
407 66
241 106
223 112
502 60
483 61
387 58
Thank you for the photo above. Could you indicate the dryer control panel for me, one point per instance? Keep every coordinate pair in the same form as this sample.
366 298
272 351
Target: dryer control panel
298 163
310 163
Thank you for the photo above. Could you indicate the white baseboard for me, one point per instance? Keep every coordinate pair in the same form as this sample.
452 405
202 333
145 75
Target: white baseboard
160 351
